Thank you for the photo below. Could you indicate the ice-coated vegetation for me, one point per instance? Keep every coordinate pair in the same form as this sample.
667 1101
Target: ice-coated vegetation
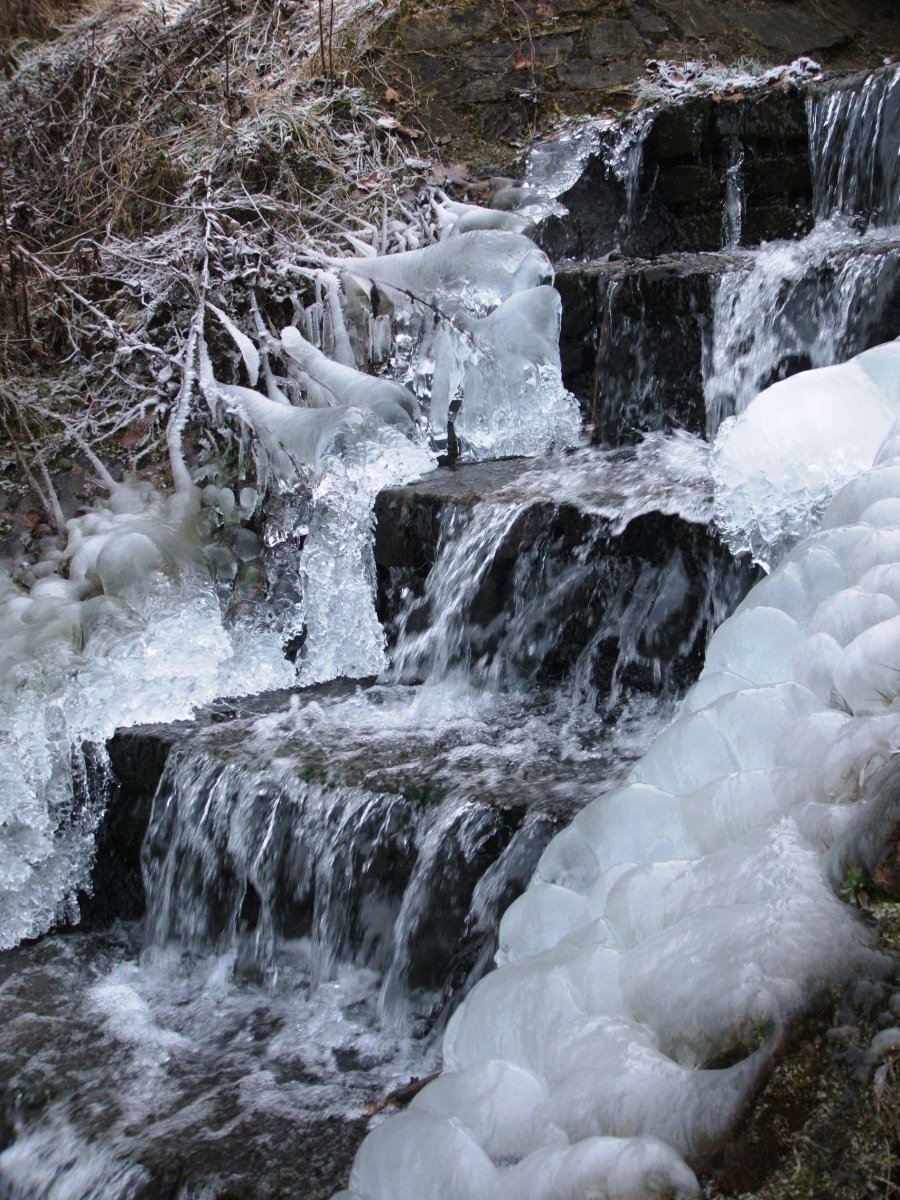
692 912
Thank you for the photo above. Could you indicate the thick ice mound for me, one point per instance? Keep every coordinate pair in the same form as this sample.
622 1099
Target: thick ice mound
484 266
691 913
778 463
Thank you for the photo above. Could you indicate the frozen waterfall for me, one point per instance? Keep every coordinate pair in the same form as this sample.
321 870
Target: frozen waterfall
125 623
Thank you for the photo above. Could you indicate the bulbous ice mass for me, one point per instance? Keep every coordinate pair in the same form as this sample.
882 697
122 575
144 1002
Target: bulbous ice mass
295 439
778 463
692 912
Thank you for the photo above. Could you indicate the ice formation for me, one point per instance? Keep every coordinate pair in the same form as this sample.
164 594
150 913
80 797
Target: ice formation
479 342
123 624
778 463
692 912
134 632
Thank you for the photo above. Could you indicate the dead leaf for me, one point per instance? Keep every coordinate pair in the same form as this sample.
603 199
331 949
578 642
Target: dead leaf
369 182
394 125
391 95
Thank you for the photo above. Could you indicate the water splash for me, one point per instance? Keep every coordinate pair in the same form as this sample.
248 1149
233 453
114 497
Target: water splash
80 662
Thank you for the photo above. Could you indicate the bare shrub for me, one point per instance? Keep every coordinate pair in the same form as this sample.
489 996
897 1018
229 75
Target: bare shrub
158 157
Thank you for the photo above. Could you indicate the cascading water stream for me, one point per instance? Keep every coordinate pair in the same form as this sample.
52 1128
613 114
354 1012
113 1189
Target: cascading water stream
534 584
325 882
798 305
693 913
854 133
819 300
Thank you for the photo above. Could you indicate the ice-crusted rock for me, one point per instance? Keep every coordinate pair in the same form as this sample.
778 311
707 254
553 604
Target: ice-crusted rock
693 912
455 218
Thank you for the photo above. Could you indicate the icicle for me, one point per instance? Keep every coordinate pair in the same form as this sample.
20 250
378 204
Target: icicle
249 352
343 352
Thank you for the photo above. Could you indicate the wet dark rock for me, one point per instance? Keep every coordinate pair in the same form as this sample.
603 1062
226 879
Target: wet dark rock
632 341
129 779
634 331
137 758
561 583
676 200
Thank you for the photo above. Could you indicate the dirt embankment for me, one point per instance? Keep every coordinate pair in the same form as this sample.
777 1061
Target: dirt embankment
484 75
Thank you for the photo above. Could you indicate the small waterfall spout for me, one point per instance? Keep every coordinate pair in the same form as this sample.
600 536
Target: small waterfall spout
854 132
824 298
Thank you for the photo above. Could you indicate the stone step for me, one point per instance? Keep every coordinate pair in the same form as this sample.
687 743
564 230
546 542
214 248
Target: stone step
137 757
564 582
635 332
663 579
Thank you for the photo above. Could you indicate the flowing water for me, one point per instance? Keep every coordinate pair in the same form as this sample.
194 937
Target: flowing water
325 881
820 299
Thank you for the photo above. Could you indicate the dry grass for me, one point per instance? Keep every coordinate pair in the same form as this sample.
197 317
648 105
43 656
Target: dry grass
24 22
827 1125
160 155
